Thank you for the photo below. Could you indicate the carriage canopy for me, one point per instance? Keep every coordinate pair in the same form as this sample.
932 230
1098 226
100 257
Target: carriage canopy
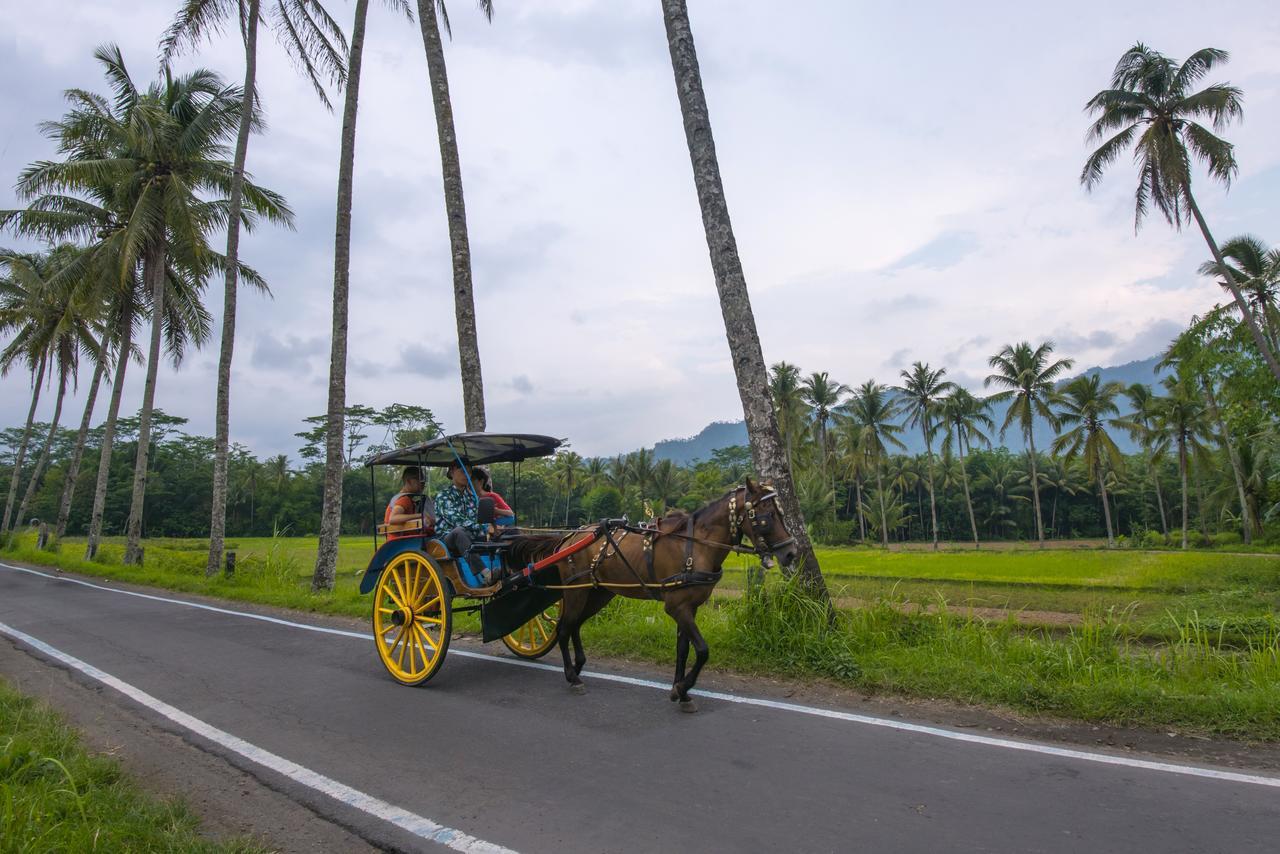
475 448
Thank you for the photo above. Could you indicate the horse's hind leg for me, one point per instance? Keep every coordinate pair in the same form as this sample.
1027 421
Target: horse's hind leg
596 600
685 617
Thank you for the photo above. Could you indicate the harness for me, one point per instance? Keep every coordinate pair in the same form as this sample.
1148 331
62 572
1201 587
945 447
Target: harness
752 525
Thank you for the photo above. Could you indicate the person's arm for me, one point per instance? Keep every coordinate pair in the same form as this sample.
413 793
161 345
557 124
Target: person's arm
402 511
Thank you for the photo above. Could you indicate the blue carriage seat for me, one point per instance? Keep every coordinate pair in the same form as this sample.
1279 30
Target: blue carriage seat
470 575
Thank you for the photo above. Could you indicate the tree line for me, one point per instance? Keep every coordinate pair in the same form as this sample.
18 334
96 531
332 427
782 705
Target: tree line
147 176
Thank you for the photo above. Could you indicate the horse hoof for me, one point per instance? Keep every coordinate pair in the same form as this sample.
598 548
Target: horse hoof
688 706
578 688
674 695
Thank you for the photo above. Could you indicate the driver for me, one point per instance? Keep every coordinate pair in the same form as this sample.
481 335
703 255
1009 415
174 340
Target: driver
457 512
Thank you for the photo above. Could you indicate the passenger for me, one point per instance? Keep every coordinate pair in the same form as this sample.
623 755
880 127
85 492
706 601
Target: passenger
456 513
502 513
409 505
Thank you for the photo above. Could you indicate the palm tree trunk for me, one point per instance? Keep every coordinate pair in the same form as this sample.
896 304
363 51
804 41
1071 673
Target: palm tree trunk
1264 348
933 505
222 417
21 456
124 343
862 520
43 459
1053 513
1106 508
735 301
1155 478
455 209
1035 487
884 521
1246 522
154 276
77 453
1182 467
334 469
968 501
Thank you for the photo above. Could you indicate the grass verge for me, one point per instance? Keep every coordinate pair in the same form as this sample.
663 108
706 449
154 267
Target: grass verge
54 796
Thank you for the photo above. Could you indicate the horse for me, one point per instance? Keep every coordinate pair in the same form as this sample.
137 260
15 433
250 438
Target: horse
676 560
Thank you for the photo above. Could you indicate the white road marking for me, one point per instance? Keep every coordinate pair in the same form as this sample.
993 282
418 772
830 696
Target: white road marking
796 708
402 818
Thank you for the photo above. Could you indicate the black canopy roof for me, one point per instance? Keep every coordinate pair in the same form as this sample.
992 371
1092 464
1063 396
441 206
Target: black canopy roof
475 448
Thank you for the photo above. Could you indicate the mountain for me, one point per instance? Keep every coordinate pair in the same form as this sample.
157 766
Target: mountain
722 434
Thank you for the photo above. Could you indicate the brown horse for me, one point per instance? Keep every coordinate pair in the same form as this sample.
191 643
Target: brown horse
677 561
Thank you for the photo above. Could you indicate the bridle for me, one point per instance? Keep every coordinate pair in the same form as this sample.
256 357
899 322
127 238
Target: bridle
755 521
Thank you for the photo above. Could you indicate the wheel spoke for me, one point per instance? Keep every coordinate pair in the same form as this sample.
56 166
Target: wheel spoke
400 637
417 577
425 605
435 647
386 588
395 576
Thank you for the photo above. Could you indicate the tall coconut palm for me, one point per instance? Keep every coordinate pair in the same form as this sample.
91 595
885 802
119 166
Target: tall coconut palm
334 463
822 394
22 303
65 329
963 419
567 469
1256 267
1087 407
871 414
922 392
1153 108
100 366
1141 421
455 208
767 449
788 405
1026 377
1181 424
315 43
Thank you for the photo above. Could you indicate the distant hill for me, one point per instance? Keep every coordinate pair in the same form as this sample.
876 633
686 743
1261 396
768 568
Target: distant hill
722 434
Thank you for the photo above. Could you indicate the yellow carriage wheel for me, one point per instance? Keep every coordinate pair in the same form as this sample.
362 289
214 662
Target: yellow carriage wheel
412 616
536 638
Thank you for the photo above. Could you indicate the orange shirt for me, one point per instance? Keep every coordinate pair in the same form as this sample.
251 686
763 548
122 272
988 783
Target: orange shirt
404 503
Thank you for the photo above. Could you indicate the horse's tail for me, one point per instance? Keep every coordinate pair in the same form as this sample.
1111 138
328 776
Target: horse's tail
531 548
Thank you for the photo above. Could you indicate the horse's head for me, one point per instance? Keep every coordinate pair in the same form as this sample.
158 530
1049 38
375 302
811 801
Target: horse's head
763 523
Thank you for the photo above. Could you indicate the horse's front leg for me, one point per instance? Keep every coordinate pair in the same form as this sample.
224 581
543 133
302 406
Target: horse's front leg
567 630
682 656
700 652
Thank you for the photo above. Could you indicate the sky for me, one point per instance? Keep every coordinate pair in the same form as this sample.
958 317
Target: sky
903 181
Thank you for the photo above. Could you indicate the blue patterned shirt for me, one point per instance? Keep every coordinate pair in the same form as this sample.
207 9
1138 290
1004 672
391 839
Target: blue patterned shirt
457 508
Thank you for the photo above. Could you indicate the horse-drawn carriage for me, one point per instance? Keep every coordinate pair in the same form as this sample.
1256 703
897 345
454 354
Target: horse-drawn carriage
534 588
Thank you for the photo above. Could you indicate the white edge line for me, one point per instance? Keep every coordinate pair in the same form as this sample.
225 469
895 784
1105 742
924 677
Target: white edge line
814 711
402 818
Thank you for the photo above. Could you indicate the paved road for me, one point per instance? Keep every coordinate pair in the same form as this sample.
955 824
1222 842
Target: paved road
507 755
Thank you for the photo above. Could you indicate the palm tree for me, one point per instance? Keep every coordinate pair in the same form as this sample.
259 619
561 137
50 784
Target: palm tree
767 449
1087 408
853 463
455 209
963 418
668 483
922 392
822 394
1026 377
784 390
64 329
1152 107
1141 422
1181 423
567 468
100 365
998 480
315 43
871 413
640 470
22 303
334 466
1257 270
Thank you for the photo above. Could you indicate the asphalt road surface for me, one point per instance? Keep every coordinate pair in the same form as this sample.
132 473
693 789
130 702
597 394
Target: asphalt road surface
491 756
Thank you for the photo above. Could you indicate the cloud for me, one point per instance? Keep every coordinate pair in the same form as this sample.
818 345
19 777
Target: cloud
1095 340
522 384
427 362
897 359
946 250
287 353
1151 340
